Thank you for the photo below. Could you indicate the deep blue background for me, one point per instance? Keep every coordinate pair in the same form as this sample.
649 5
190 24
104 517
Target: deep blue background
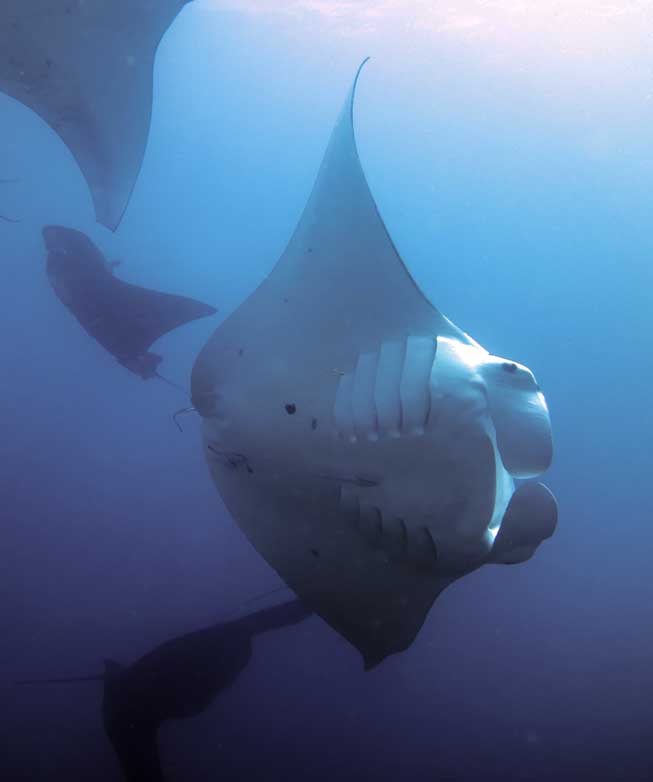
514 169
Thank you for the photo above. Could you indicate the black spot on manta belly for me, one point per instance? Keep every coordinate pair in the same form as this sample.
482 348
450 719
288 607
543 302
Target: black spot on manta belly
509 366
291 408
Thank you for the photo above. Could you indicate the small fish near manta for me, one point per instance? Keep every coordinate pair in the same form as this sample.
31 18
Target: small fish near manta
179 679
86 68
380 443
125 319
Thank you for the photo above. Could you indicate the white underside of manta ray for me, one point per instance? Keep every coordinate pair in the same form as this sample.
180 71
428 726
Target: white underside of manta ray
86 68
365 444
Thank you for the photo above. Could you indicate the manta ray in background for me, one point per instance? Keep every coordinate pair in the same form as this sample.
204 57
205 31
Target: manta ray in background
179 679
365 444
86 68
125 319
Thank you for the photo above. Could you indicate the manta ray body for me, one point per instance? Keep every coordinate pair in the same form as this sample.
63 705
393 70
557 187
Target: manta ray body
125 319
367 446
86 68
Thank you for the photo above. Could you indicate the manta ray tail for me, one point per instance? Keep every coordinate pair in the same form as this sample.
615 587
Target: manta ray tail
172 384
64 680
274 618
111 670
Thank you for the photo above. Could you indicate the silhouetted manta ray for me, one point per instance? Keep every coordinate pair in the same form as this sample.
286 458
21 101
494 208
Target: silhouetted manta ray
125 319
179 679
86 69
365 444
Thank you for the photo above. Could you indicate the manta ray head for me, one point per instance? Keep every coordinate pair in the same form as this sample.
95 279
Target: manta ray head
66 241
508 392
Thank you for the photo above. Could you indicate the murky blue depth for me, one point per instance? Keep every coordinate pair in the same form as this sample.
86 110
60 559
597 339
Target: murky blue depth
511 156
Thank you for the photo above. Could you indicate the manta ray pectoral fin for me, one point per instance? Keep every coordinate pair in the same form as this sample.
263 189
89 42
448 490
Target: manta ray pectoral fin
376 603
530 518
147 315
86 69
339 271
145 365
395 625
274 618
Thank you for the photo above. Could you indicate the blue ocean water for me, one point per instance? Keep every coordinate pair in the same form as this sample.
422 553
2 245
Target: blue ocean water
508 147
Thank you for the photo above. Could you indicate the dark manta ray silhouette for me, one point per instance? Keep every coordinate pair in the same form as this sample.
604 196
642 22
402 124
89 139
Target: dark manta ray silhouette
125 319
179 679
86 68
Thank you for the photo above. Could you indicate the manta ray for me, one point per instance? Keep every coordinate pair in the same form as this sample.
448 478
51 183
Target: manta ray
179 679
125 319
367 446
86 67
